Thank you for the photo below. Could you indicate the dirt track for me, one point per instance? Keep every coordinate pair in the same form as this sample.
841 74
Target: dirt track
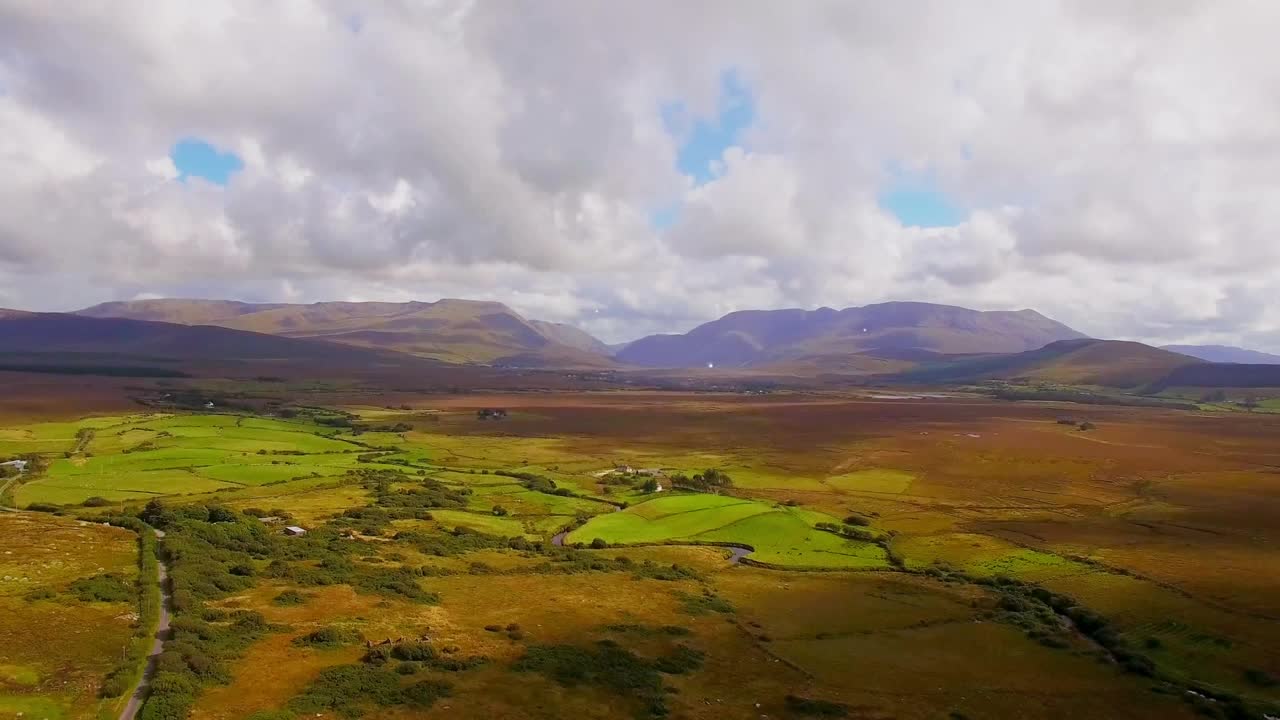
139 694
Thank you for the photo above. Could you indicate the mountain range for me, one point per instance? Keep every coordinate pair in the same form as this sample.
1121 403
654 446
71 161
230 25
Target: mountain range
1225 354
886 342
453 331
894 331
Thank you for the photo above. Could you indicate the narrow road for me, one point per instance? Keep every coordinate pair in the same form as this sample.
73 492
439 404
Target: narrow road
157 646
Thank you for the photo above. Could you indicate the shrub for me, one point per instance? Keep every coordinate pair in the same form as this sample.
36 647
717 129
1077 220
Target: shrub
706 603
683 659
329 637
289 598
424 694
599 544
606 665
413 652
1261 678
108 587
857 520
818 708
40 593
96 501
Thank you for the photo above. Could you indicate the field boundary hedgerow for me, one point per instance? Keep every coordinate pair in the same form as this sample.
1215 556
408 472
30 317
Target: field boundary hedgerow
126 676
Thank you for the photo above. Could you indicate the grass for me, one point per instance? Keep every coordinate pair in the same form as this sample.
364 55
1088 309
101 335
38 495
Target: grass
55 652
135 457
1158 521
480 522
779 535
875 481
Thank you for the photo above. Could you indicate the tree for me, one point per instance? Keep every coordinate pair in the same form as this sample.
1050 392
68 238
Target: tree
156 514
500 511
649 485
221 514
1250 403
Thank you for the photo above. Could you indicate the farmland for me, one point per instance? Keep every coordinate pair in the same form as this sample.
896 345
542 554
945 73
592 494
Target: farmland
907 558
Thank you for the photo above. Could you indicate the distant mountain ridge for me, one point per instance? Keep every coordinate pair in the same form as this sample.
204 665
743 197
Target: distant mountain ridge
72 336
455 331
1225 354
762 337
1109 363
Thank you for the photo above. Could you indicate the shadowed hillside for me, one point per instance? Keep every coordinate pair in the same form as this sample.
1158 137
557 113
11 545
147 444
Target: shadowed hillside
887 330
1225 354
456 331
69 339
1111 363
1222 375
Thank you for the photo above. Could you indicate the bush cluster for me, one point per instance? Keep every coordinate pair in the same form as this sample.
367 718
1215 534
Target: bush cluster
609 666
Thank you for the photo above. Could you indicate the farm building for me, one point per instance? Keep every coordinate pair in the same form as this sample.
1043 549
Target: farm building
294 530
19 465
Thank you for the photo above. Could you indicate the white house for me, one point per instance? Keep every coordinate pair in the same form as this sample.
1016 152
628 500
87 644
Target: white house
21 465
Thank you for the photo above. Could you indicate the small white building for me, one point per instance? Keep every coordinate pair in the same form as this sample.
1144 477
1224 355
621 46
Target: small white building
658 488
20 465
208 406
294 530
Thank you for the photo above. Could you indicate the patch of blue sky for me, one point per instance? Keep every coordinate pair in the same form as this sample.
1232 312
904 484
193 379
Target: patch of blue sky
194 157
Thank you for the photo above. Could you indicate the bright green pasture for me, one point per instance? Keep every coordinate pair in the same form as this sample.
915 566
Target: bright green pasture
480 522
136 456
520 501
780 535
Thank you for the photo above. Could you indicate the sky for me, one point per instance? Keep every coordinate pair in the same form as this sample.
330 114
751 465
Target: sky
644 167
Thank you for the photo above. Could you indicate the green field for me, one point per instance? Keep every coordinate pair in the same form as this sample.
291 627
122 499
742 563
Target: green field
1157 524
141 456
783 536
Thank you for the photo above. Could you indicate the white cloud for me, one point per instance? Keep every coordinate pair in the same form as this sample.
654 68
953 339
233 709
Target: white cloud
1118 159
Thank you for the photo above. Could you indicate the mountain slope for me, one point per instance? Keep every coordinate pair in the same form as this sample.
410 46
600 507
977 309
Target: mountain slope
182 312
570 336
1110 363
1225 354
757 337
65 337
457 331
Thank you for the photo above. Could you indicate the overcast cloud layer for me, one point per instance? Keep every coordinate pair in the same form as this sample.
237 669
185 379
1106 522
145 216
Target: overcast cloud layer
1118 162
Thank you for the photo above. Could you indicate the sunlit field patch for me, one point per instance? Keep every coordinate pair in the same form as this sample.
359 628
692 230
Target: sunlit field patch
55 648
780 535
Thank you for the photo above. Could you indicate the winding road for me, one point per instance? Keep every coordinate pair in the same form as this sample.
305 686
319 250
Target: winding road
157 646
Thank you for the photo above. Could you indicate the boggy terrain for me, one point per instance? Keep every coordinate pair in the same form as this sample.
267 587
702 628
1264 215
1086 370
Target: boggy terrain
808 555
